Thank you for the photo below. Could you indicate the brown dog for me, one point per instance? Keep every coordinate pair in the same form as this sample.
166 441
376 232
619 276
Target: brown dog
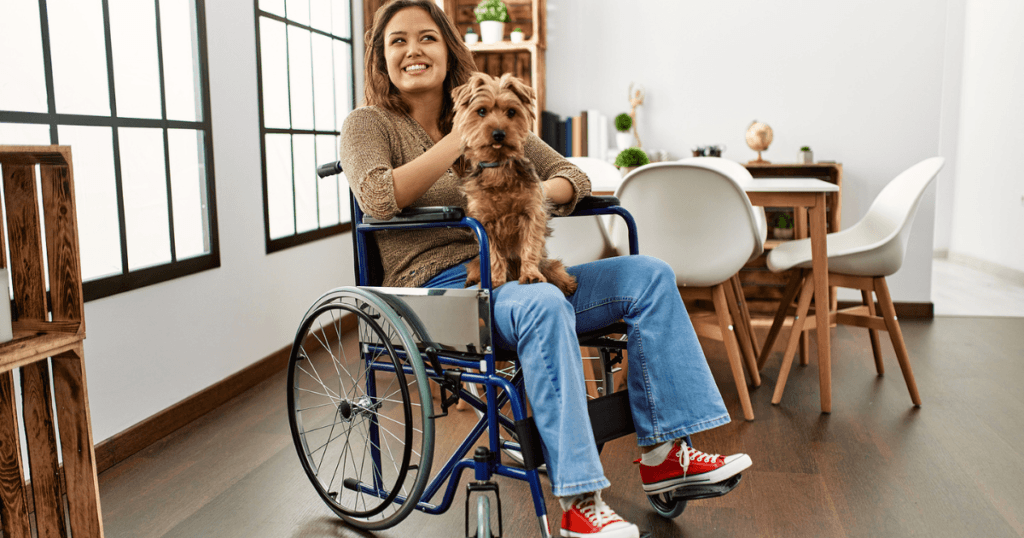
502 189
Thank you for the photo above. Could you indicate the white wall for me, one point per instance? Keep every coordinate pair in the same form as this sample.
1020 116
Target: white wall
989 193
151 348
859 82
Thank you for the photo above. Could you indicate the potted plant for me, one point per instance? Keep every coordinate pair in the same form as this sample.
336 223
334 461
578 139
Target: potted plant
492 16
806 156
782 228
471 36
517 35
630 159
623 123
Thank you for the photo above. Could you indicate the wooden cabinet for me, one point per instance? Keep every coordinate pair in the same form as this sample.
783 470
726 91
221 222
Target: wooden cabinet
763 288
49 327
524 60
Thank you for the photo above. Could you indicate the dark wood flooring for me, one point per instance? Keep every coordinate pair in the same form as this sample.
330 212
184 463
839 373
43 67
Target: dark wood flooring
874 467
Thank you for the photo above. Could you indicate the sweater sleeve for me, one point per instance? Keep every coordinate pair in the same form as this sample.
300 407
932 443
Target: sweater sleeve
367 153
549 163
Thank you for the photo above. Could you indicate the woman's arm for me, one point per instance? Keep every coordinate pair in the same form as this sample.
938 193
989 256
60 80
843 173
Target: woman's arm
564 183
415 177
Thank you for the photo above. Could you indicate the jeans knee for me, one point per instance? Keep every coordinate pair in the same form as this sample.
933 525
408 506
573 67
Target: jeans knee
656 270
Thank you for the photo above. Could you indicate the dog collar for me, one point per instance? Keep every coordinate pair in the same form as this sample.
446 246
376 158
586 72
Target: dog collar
490 165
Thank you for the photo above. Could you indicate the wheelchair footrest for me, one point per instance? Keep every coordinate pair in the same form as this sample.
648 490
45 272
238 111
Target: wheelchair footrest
706 491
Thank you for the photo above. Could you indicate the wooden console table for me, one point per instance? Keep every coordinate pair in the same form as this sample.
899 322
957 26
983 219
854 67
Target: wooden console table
49 328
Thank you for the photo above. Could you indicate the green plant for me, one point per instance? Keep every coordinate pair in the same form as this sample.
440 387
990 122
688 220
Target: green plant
491 10
470 30
783 221
517 29
623 122
805 148
631 157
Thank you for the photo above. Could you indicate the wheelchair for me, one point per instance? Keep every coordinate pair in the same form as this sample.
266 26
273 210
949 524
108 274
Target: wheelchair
364 423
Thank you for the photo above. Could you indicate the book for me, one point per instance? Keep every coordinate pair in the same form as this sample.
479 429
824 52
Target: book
549 128
594 143
577 136
584 131
567 135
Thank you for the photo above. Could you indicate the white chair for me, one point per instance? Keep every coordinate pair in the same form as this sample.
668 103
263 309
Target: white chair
859 257
580 240
696 216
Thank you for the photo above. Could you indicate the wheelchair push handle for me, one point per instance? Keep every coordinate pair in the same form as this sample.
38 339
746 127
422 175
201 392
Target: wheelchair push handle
328 169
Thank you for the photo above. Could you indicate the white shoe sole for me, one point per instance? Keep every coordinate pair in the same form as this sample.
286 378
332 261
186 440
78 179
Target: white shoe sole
730 469
632 531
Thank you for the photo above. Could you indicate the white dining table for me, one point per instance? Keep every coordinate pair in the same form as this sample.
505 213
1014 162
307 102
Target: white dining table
807 197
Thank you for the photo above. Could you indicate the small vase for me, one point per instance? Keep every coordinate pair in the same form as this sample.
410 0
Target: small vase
623 140
782 233
471 39
627 169
516 37
491 31
805 157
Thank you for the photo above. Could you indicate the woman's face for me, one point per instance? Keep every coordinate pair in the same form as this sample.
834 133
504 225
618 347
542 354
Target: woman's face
414 50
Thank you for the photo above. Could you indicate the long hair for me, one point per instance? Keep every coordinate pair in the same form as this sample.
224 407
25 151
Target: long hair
381 92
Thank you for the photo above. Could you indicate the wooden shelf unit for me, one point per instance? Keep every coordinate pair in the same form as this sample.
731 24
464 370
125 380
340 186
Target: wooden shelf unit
49 328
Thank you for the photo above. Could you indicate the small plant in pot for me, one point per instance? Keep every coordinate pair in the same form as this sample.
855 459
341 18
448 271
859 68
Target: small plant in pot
630 159
623 138
517 35
782 227
806 156
492 16
471 36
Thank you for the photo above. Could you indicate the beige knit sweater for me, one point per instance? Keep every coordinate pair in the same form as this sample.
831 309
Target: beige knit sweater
374 141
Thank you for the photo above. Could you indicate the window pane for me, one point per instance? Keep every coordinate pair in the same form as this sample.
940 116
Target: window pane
327 188
144 183
188 192
320 14
279 185
298 11
343 195
273 63
22 134
136 70
342 80
340 13
300 77
273 6
23 84
79 57
99 235
305 183
182 86
323 83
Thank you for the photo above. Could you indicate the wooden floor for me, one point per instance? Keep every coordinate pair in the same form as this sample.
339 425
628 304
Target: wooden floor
874 467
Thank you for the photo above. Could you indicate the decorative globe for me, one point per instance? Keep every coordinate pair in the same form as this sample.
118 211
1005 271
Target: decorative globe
759 137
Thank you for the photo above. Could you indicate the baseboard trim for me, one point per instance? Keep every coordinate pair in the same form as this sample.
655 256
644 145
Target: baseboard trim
903 310
994 269
121 446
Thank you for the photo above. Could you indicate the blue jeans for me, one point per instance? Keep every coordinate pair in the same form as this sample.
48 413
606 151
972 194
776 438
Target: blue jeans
671 390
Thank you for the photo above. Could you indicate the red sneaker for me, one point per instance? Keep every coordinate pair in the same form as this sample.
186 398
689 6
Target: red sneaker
590 516
685 465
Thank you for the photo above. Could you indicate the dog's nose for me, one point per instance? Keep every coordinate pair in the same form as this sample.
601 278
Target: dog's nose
498 135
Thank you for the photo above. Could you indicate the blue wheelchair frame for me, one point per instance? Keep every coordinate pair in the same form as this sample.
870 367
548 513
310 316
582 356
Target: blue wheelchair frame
484 467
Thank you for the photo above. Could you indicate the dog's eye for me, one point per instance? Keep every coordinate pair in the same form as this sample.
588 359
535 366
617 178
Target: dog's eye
511 113
482 112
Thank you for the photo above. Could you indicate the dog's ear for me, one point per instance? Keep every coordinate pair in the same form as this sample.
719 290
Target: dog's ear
462 95
522 91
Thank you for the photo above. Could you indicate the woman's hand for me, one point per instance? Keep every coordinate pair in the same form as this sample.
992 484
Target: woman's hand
559 190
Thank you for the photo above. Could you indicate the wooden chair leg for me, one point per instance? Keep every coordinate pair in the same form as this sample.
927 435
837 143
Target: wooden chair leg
742 330
792 288
799 322
896 335
732 349
876 347
805 342
745 312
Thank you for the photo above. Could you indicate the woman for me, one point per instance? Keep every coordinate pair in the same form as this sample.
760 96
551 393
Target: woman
399 152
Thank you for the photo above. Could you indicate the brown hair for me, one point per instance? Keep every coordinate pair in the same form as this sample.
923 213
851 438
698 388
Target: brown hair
378 88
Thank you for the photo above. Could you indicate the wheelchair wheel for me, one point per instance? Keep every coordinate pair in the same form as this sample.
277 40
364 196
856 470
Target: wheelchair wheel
666 506
483 517
360 409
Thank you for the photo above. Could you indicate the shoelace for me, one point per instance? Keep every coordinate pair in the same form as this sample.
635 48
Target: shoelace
688 454
596 511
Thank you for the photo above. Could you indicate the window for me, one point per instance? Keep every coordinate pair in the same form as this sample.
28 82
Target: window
124 83
305 56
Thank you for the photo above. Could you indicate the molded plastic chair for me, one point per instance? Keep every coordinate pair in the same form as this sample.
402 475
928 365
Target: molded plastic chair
696 216
859 257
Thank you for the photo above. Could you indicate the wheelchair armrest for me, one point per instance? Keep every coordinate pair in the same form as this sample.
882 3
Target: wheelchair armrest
594 202
421 214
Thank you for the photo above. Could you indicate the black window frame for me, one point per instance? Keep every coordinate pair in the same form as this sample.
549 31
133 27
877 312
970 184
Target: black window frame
297 238
130 280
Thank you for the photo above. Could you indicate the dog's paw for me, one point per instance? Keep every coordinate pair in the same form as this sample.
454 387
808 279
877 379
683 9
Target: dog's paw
568 288
531 277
